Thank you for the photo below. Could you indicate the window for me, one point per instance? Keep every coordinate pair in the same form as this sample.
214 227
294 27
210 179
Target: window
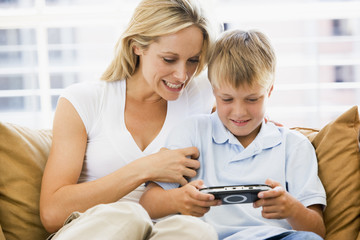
317 44
46 45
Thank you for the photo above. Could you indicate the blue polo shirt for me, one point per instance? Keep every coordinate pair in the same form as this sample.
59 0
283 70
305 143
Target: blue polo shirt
278 153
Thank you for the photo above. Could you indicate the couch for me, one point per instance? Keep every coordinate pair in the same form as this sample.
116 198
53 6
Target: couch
24 151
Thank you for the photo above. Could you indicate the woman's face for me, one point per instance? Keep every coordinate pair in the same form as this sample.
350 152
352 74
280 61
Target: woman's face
169 63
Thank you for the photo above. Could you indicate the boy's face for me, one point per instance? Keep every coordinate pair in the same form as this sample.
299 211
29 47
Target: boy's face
242 109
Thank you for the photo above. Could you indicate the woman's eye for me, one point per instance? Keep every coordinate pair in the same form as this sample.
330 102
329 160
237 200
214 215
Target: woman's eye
227 99
169 60
195 60
252 99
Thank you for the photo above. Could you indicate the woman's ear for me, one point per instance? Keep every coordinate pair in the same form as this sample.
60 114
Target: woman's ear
137 50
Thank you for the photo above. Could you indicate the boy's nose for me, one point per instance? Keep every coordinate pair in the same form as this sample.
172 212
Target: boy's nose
239 110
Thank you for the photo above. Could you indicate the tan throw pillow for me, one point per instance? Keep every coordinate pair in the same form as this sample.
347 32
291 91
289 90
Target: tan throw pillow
2 237
23 154
338 155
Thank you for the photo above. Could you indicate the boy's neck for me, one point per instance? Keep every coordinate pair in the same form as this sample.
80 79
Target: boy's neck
248 139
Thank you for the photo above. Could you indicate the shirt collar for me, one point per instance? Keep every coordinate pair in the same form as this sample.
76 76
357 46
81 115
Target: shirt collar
269 135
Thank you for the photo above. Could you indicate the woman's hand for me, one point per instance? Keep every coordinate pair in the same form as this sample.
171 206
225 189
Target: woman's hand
170 165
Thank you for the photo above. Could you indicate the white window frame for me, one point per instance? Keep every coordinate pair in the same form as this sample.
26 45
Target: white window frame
42 17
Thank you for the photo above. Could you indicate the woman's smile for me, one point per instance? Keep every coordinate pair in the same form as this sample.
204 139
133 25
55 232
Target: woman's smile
173 86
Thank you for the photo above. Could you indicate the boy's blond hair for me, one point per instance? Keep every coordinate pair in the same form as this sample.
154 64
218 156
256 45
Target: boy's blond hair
151 20
242 57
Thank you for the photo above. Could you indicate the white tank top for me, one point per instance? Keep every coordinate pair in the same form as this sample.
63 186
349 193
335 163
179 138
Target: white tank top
110 146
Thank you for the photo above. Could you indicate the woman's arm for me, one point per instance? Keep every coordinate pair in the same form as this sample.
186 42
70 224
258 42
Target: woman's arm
187 200
60 193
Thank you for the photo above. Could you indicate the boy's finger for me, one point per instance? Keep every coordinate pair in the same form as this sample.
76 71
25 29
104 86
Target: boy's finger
272 183
198 195
208 203
198 183
275 192
206 197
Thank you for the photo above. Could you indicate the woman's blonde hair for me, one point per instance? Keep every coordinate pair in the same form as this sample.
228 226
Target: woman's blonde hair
242 57
151 20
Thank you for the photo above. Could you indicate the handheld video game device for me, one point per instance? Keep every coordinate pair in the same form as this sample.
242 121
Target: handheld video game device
236 194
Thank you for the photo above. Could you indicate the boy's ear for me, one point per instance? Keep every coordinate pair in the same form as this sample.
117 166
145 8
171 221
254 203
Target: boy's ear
270 90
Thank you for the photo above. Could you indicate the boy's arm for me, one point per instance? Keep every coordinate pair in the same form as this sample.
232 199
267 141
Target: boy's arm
279 204
187 200
308 219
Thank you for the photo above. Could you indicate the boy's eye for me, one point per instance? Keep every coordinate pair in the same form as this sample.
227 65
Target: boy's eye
252 99
227 99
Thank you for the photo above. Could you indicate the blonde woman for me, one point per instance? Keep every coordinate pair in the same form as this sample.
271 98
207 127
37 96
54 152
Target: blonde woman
108 135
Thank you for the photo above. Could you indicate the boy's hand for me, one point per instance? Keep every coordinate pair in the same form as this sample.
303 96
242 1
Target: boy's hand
276 203
191 201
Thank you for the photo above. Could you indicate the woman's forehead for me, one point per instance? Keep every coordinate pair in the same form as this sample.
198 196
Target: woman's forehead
188 40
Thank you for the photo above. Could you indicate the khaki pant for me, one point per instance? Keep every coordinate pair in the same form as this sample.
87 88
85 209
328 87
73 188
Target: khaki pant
130 221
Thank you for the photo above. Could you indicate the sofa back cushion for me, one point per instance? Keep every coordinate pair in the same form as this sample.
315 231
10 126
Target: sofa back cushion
23 154
337 149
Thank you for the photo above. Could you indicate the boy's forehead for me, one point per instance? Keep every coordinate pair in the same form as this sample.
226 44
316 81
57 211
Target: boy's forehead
244 87
221 79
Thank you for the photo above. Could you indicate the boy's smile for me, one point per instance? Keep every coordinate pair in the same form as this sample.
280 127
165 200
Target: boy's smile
240 123
242 109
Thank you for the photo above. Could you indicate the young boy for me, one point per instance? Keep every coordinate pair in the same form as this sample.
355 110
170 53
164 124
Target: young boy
237 146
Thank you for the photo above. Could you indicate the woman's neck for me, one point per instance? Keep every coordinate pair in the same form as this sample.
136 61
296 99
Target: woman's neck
139 90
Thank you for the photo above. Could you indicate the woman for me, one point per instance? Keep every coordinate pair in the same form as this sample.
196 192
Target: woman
107 135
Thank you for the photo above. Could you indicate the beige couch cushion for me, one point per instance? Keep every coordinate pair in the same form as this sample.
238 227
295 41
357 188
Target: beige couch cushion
23 154
338 155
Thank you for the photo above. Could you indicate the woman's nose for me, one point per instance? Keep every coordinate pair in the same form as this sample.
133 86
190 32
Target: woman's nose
181 73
